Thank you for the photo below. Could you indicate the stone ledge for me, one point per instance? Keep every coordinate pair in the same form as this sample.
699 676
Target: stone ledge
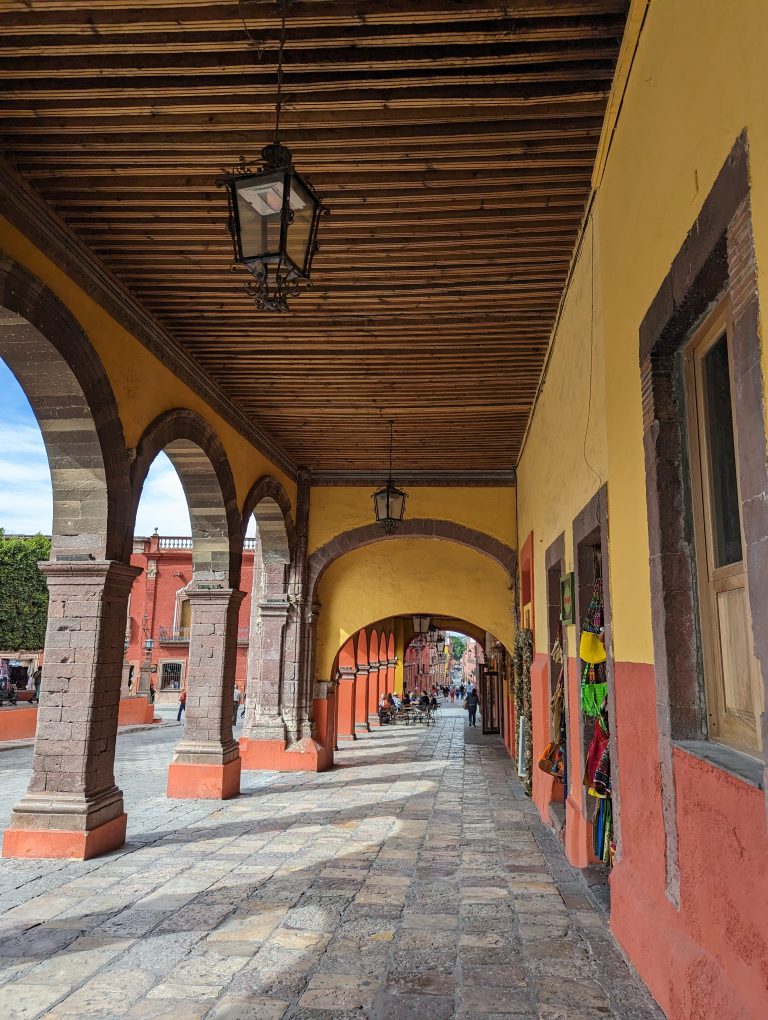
741 766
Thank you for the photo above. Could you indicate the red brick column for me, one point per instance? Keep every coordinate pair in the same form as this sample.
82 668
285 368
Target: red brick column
361 700
373 695
206 762
346 712
73 807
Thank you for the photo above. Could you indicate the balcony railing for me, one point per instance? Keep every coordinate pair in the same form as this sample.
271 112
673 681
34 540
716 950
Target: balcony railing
180 635
175 542
182 542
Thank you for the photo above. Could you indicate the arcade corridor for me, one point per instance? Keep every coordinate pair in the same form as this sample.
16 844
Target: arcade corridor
513 387
413 880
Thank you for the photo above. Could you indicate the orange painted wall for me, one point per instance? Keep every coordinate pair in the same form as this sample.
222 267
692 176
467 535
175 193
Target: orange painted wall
717 944
135 712
21 723
18 723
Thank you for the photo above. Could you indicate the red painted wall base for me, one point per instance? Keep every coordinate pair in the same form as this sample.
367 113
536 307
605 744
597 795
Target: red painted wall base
58 843
274 756
204 782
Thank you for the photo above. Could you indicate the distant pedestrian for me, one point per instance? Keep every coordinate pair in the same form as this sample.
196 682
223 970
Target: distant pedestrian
152 692
453 694
36 680
236 705
182 704
242 710
472 704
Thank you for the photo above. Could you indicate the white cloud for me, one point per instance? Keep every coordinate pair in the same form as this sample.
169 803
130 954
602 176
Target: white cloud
26 506
163 504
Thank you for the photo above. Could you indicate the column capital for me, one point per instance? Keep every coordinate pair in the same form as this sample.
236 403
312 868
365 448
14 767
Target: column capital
347 673
201 592
362 670
118 575
275 608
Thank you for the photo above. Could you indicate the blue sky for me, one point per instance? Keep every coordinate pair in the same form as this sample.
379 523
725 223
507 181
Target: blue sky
26 506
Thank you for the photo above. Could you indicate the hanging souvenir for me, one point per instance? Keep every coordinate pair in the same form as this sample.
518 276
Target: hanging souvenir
595 753
591 646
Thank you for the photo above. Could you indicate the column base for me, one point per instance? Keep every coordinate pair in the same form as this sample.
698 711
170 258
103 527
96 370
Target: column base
62 843
204 781
373 722
362 727
346 737
275 756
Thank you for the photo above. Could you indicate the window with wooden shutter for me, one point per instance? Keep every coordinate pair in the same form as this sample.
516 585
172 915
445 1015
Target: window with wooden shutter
731 671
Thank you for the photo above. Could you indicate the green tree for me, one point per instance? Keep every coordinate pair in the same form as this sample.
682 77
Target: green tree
458 647
23 592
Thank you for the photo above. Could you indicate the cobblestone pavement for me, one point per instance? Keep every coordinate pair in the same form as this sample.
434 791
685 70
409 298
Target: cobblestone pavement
413 881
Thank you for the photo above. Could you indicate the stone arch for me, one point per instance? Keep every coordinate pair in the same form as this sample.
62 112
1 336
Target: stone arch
362 648
69 391
369 534
270 505
201 462
347 655
373 648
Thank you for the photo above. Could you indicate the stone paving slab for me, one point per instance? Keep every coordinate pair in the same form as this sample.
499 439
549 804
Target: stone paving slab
415 880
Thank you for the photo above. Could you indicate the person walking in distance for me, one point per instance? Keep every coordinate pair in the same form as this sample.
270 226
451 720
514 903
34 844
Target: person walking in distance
182 704
473 703
236 705
36 678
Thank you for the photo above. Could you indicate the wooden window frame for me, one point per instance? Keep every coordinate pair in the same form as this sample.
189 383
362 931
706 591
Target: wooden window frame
723 727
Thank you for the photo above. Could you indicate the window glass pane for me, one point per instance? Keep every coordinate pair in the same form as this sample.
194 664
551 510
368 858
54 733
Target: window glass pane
723 496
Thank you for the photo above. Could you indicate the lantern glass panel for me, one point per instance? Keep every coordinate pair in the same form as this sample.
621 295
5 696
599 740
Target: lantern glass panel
304 208
381 502
259 206
396 504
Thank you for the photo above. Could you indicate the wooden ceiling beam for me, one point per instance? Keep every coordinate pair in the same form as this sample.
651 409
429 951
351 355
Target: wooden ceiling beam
117 15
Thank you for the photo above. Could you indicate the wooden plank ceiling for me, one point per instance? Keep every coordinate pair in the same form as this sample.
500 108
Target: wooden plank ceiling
452 139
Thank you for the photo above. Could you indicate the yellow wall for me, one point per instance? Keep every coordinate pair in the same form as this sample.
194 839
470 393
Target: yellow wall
410 575
335 509
698 80
143 386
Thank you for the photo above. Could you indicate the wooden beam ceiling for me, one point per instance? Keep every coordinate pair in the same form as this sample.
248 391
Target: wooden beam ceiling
452 139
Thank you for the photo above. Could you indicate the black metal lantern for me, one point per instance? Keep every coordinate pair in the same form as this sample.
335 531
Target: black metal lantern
389 502
420 624
273 216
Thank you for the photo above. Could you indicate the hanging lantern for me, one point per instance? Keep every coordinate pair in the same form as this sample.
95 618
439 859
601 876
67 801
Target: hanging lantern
389 502
421 624
440 644
273 216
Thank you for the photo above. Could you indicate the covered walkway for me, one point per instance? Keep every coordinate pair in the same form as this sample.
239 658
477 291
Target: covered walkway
413 880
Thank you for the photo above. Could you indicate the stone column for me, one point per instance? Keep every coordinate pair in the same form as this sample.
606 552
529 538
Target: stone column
373 695
361 700
73 807
206 762
263 707
347 700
